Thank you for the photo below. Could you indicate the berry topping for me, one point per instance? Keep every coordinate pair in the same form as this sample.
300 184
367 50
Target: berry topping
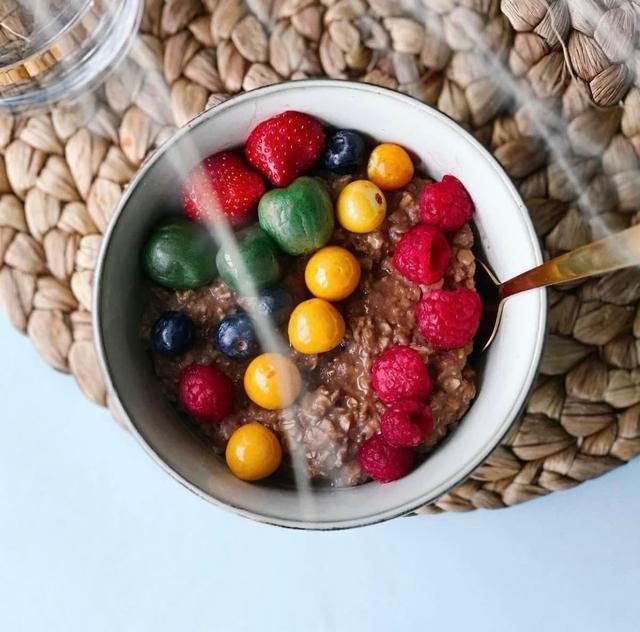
344 152
400 373
449 319
422 255
179 254
205 392
236 338
285 146
223 184
173 334
384 462
299 218
253 452
446 204
390 167
272 381
407 423
275 302
251 262
333 273
315 326
361 207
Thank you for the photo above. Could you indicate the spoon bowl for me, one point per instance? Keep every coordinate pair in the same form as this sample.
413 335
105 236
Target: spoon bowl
621 250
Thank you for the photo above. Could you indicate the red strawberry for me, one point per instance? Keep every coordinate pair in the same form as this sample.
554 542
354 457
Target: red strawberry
223 184
285 146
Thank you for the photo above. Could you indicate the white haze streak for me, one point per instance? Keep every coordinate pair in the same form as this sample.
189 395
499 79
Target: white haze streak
540 116
224 237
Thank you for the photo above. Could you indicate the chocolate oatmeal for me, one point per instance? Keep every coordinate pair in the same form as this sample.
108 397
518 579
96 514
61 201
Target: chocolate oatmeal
338 410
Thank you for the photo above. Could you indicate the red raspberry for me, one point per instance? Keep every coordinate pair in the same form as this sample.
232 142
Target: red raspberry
223 183
446 204
400 373
383 462
205 392
422 255
449 319
407 423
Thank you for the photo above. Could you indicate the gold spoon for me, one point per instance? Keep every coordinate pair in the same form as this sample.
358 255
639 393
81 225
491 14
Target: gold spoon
599 257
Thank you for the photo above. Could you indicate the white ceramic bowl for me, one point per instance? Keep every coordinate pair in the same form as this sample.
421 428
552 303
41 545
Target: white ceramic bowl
508 240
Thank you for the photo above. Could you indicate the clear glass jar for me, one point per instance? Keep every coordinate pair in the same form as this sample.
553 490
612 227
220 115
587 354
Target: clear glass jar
57 49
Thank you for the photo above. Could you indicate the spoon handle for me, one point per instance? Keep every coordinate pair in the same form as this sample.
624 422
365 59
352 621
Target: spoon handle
611 253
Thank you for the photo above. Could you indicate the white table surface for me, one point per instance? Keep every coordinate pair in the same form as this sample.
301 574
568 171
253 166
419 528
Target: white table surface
94 536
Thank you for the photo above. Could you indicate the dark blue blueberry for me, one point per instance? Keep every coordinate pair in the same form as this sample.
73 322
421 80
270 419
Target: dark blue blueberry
275 302
173 334
236 338
343 152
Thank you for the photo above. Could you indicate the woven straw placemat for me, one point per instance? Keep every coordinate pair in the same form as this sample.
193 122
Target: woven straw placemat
513 73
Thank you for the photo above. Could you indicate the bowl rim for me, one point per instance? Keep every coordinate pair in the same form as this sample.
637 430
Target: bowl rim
427 498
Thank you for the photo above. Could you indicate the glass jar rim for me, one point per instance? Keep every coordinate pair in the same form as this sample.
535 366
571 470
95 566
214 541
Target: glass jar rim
50 30
78 59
